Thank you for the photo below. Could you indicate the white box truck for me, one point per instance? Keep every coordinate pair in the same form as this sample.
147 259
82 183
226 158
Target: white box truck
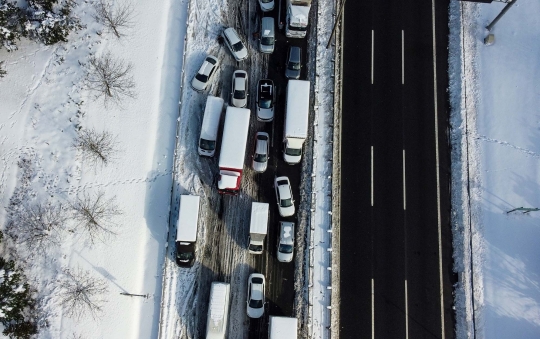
296 120
282 328
258 227
218 311
210 126
233 149
297 18
186 230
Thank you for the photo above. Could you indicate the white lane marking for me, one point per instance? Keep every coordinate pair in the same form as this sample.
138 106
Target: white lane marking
372 309
402 57
437 167
372 53
404 185
372 198
406 312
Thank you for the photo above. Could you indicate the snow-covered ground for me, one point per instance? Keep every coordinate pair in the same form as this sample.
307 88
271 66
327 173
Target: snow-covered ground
43 103
495 101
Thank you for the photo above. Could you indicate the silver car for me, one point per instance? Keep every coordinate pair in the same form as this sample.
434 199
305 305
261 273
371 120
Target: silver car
284 196
235 44
267 35
260 156
265 100
239 89
204 75
285 246
255 298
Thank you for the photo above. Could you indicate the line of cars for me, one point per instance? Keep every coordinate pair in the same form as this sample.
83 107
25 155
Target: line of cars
232 155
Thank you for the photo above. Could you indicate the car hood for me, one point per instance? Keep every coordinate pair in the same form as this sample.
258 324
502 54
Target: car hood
259 166
242 54
286 211
266 114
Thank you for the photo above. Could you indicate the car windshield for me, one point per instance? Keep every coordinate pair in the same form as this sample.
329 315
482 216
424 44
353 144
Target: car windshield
237 47
185 256
285 248
286 202
295 66
265 103
293 151
255 303
207 145
260 157
239 94
266 1
299 29
201 77
210 60
267 41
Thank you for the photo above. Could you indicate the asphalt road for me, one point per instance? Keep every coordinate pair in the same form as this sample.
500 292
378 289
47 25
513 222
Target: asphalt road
395 180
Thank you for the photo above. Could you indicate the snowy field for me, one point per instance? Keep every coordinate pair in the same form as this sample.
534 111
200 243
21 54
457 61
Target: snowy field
495 99
43 106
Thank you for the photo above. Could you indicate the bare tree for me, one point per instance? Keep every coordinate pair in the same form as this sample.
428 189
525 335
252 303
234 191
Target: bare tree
110 78
95 214
38 225
98 148
115 18
81 293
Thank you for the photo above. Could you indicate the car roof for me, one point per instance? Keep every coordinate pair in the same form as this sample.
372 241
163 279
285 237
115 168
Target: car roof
294 53
261 147
287 230
284 192
206 67
240 80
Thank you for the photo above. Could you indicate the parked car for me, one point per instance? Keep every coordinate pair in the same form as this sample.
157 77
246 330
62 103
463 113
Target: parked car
260 155
266 97
204 75
255 297
235 44
284 196
266 5
267 36
285 246
239 89
293 66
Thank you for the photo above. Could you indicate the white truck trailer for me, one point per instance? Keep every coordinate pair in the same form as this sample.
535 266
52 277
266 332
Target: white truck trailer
296 120
218 311
233 149
297 18
282 328
258 227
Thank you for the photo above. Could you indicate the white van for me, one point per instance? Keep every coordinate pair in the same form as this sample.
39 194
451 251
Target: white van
285 246
186 230
218 311
210 126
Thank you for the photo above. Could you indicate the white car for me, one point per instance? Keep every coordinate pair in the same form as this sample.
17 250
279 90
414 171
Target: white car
205 73
260 156
239 89
285 246
284 196
266 5
255 297
235 44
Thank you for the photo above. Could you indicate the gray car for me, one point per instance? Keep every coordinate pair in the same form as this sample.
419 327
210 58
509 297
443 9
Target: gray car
267 36
293 67
286 241
260 155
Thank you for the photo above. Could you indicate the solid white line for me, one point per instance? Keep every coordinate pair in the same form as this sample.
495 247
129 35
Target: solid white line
372 198
372 309
372 53
402 57
406 312
437 168
404 185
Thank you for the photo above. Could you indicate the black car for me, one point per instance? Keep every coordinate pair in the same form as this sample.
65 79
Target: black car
293 65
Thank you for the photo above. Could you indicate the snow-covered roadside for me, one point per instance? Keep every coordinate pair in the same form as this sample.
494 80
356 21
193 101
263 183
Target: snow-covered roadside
320 245
43 104
495 121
